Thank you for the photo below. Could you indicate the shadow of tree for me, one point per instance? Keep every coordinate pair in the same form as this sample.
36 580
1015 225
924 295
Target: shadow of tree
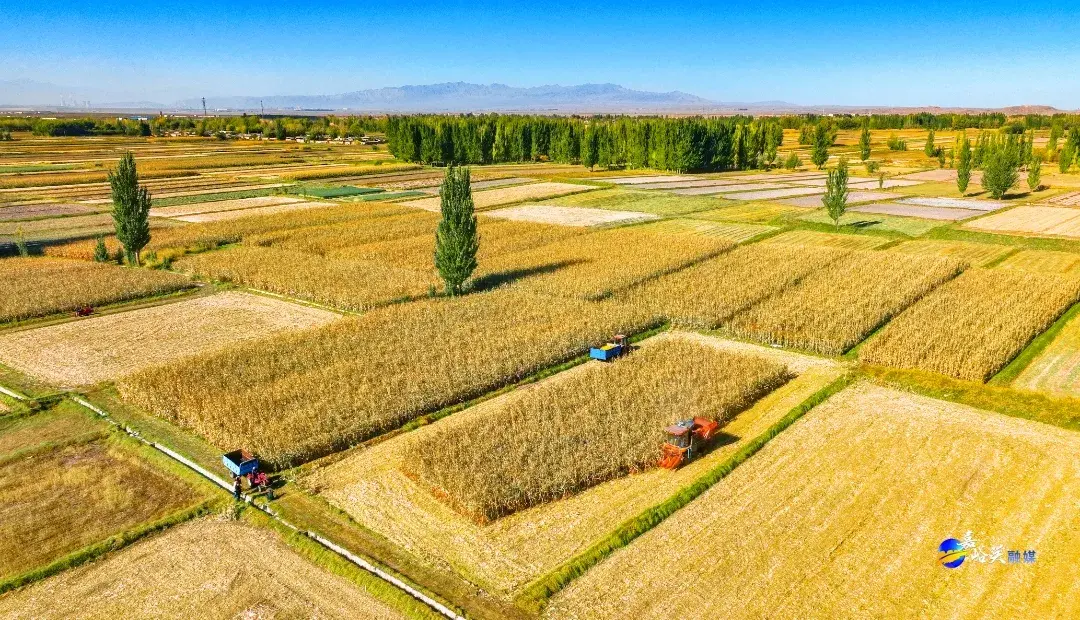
499 278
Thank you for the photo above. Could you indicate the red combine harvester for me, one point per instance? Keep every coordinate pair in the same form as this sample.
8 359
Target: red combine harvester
84 311
685 439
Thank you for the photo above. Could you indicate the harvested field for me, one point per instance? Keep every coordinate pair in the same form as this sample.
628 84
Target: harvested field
222 205
941 175
708 294
547 447
1068 199
659 203
974 254
55 502
955 203
109 346
775 193
507 195
1057 369
736 233
42 210
897 473
210 568
821 182
570 216
40 228
280 207
831 240
1029 219
345 284
595 265
54 426
686 184
728 188
42 286
303 395
814 202
833 309
931 213
505 555
325 239
972 327
886 185
1043 261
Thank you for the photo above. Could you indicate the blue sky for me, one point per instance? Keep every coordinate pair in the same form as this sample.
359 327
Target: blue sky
960 53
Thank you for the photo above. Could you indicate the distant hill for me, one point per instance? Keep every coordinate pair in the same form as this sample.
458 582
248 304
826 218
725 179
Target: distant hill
465 97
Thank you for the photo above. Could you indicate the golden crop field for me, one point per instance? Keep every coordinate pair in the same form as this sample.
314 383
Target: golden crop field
833 240
112 489
505 555
507 195
975 254
588 429
833 309
222 205
355 285
103 348
210 568
324 239
25 434
497 237
709 293
1043 261
841 516
41 286
296 397
598 264
973 326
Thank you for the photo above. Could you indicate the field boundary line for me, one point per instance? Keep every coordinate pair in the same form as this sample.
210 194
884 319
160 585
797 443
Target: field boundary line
13 394
355 559
1034 348
537 594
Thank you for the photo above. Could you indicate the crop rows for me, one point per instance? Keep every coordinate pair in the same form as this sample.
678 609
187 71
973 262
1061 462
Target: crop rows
592 427
41 286
299 396
971 327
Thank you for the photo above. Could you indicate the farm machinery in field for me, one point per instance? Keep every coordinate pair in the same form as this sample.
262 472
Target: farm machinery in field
84 311
618 347
685 439
243 464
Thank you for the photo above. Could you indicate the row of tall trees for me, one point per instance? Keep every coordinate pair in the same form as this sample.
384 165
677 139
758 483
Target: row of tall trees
270 126
682 144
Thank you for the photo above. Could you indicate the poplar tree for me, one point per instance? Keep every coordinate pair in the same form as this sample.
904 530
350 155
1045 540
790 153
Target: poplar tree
456 238
963 168
864 142
836 191
1034 173
1065 158
131 208
819 152
929 148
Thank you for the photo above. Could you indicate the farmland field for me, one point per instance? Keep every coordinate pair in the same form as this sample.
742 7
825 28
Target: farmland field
374 364
508 195
1061 221
114 490
207 568
1043 261
971 327
831 310
872 468
814 238
107 347
620 199
506 554
36 287
569 216
975 254
547 446
1057 369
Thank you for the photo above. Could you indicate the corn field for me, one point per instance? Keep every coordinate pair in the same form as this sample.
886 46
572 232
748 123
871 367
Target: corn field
324 239
595 265
295 397
973 326
709 293
587 429
833 309
40 286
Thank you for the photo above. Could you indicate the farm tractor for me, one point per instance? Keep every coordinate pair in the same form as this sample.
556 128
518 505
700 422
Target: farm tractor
84 311
685 439
242 464
608 352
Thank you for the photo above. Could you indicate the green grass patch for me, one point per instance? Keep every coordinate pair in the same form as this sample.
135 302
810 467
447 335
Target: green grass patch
1030 243
390 196
536 595
217 196
1063 412
336 192
645 201
910 226
36 168
1034 349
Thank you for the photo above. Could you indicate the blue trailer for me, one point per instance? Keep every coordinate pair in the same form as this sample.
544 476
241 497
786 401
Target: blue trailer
240 462
616 348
